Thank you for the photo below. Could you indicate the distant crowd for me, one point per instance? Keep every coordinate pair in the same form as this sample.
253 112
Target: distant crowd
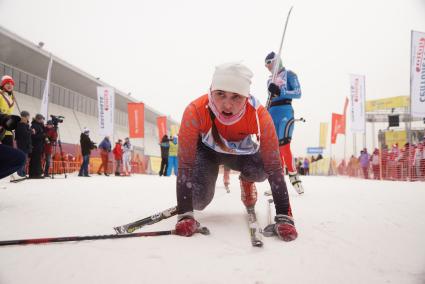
396 163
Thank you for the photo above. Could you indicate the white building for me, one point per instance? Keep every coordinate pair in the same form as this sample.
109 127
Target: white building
72 94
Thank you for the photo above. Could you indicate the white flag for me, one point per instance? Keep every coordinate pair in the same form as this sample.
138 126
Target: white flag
45 100
106 106
357 90
417 74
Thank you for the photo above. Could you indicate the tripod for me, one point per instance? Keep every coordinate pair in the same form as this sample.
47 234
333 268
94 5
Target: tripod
60 151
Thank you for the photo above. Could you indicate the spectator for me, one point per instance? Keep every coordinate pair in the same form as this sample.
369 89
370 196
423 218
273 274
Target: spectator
105 148
165 148
37 139
118 156
23 139
7 104
417 160
50 140
364 162
376 169
172 156
384 161
86 146
306 167
127 148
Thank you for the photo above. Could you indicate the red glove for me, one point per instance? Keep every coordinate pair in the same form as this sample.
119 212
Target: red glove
187 227
285 228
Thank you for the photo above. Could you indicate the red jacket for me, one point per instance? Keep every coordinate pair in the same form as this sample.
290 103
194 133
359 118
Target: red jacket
51 137
117 151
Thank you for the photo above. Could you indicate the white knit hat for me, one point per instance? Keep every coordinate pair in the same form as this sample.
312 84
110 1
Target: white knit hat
86 130
232 77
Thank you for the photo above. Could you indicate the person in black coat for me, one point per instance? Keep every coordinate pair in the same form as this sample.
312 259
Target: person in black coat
23 138
86 146
37 139
165 149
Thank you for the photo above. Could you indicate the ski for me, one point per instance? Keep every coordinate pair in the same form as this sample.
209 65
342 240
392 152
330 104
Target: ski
133 226
18 180
254 228
201 230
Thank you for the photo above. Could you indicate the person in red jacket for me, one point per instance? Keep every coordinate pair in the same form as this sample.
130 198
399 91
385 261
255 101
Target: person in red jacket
50 140
117 151
228 126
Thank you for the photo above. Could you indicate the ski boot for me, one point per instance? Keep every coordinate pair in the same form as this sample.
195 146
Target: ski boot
294 178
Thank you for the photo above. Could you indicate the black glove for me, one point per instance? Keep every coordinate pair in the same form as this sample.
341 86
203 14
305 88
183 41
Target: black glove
274 90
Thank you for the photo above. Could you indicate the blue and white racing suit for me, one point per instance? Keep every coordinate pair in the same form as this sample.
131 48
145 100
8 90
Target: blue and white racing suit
281 109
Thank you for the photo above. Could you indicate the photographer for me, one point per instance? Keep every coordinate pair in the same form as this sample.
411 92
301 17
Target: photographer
86 146
10 159
7 103
23 138
51 136
37 138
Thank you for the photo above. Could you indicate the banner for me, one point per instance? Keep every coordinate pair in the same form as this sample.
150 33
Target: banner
136 120
161 122
323 134
45 100
357 92
387 103
338 126
314 150
395 137
417 74
106 106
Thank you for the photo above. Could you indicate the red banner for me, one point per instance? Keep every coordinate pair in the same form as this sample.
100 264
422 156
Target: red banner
338 126
161 122
136 120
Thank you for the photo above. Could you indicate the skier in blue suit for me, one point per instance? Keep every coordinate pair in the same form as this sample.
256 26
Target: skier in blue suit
283 90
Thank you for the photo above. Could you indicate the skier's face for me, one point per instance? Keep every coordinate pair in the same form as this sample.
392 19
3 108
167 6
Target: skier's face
269 64
227 103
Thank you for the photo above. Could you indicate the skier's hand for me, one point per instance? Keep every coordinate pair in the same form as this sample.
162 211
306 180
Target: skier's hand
187 227
285 228
274 90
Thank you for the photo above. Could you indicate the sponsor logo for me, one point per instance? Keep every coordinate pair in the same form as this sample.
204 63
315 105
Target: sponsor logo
107 99
420 54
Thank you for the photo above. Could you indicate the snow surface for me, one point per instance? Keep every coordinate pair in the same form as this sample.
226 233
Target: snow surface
350 231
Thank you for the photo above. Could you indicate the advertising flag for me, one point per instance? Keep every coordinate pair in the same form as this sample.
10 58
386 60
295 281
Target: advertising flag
136 119
357 92
417 74
161 122
44 109
106 106
323 134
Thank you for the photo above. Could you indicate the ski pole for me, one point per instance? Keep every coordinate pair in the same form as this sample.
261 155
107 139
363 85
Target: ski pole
155 218
277 58
202 230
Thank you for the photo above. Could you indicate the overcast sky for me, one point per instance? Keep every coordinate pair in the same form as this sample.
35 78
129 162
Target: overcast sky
164 52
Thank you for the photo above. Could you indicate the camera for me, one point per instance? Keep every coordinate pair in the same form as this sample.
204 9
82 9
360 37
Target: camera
56 119
9 122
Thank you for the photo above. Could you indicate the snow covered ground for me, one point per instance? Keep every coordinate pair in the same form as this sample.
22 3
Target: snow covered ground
350 231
